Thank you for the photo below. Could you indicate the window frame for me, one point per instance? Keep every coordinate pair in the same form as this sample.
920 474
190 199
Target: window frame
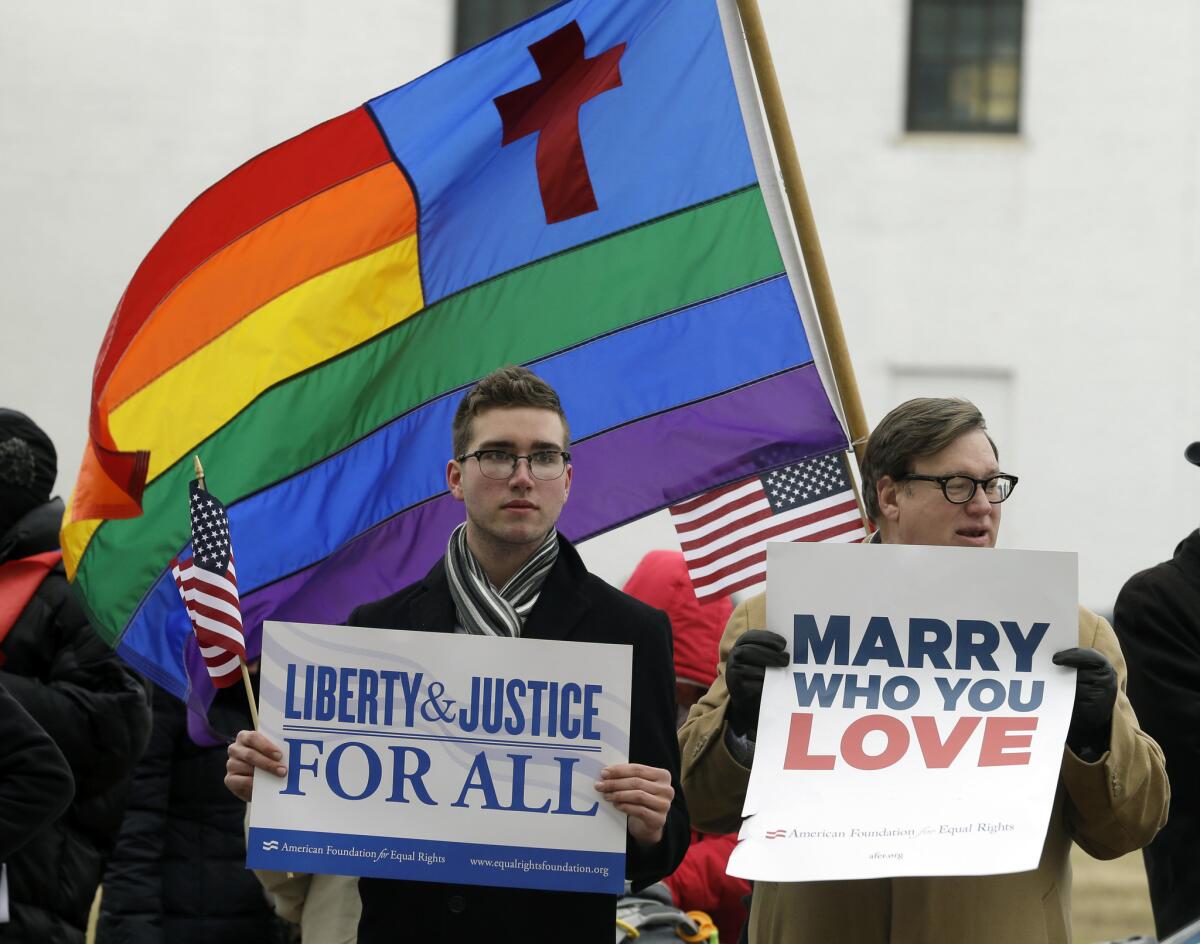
468 36
916 121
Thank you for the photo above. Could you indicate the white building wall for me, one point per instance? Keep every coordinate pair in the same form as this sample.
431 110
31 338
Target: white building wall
1050 274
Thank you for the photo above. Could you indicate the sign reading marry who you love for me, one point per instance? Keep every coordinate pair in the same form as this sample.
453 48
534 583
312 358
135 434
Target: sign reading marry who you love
919 729
441 757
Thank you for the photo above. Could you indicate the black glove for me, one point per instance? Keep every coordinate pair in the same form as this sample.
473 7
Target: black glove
748 660
1095 695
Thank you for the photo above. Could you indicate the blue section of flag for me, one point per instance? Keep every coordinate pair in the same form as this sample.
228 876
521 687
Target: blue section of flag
155 646
669 137
430 860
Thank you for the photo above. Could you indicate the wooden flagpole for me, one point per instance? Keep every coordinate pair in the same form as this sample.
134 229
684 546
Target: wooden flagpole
241 661
806 228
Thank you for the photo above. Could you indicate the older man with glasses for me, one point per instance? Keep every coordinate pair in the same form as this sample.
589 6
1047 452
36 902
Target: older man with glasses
932 476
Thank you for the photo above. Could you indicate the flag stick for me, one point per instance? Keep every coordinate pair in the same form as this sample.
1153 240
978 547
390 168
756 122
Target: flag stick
249 693
862 508
806 227
241 661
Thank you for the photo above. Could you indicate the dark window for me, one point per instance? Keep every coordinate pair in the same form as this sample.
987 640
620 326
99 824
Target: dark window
477 20
964 65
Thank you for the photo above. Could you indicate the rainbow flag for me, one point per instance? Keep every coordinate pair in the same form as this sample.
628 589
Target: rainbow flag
589 194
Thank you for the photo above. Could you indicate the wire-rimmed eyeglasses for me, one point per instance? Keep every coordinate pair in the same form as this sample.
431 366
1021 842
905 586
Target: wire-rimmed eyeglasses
960 489
545 465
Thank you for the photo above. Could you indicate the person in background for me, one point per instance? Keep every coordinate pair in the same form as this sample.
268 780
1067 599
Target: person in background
1157 618
661 580
86 699
178 874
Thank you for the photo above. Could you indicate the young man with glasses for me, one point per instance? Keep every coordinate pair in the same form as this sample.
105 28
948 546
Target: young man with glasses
508 572
931 475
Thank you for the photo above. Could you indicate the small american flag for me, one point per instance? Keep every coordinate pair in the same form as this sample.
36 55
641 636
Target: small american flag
724 533
208 585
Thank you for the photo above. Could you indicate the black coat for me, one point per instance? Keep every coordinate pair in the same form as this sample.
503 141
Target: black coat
35 782
97 712
1157 618
178 874
573 605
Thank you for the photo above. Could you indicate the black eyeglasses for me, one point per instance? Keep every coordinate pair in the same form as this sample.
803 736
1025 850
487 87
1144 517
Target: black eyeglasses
960 489
546 464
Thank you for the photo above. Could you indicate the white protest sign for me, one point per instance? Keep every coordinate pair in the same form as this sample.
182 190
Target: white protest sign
441 757
919 729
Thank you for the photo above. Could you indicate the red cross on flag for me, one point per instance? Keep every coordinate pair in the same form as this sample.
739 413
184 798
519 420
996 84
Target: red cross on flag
549 108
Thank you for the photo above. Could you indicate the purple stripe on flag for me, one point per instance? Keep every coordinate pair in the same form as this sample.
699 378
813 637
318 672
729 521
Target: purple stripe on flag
659 460
619 475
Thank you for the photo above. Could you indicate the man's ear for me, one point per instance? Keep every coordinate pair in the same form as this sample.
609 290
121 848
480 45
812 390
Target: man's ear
886 493
454 479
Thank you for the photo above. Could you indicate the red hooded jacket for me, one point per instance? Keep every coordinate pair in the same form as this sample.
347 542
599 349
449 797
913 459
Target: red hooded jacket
661 580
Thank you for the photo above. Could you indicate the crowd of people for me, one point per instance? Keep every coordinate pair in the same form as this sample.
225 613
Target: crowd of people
102 782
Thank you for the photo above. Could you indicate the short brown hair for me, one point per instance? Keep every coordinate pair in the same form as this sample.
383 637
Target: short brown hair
505 387
914 429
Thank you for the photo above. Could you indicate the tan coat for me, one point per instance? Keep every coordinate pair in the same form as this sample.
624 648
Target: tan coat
325 906
1109 807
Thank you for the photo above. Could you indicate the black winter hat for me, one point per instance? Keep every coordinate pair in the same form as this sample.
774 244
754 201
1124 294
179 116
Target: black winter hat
1192 453
28 467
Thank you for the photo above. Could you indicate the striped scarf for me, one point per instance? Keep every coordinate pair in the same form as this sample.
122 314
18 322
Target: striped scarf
483 610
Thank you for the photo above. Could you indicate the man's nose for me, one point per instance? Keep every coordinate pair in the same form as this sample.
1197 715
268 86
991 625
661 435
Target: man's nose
523 473
979 504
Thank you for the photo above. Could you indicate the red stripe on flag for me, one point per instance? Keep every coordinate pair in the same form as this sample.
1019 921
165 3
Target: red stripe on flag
212 589
208 638
733 587
729 569
765 534
718 513
684 507
732 527
217 616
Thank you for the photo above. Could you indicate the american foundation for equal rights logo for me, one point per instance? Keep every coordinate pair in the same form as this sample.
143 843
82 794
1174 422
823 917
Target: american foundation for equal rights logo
776 833
270 845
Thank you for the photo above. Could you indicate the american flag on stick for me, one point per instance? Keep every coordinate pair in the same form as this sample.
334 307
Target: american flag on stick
724 533
207 583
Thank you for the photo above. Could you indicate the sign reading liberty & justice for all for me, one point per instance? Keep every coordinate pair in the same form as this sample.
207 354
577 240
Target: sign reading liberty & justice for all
441 757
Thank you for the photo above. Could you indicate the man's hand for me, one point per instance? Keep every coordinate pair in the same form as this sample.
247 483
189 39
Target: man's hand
755 650
1095 696
645 793
248 751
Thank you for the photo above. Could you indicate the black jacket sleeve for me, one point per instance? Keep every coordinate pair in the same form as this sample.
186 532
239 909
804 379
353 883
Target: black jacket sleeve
91 704
652 742
35 782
